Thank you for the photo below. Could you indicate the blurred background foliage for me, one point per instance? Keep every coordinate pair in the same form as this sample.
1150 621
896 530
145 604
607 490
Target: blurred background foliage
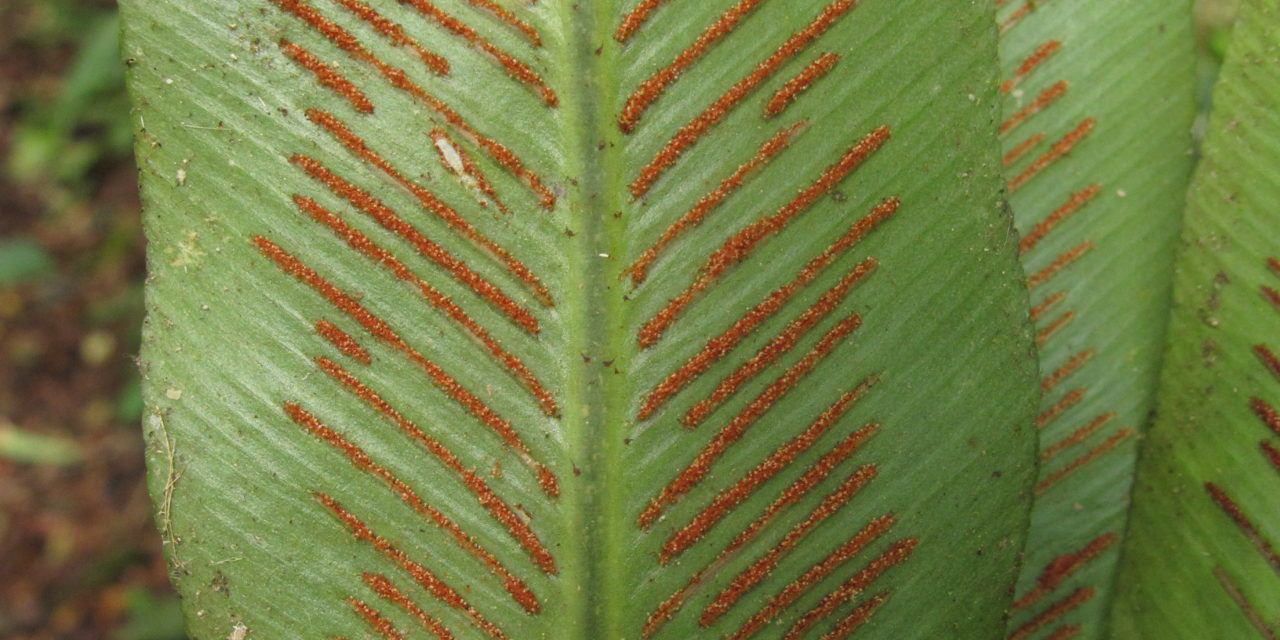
79 558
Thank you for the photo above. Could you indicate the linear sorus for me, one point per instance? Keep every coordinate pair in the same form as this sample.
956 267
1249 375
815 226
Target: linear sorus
1266 413
719 346
1046 332
361 243
420 574
1109 445
514 524
391 221
1272 454
764 566
343 341
1073 204
651 88
458 162
896 554
736 249
389 592
514 68
1064 633
1046 98
400 80
669 607
375 620
430 202
770 352
1012 155
771 466
1246 525
814 474
813 575
1069 367
696 128
395 34
361 460
705 205
1018 14
510 19
380 330
1268 359
1272 296
634 19
326 27
1030 64
738 426
1064 260
1068 400
327 76
849 624
799 488
800 83
1250 613
1047 304
1055 611
1077 437
1058 150
1063 567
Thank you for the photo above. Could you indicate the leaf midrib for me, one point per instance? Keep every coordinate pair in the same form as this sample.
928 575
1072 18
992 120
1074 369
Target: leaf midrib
594 308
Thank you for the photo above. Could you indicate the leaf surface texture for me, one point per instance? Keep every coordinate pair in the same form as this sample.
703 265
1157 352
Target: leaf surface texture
592 320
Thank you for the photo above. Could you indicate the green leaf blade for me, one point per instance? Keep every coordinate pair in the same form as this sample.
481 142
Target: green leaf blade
346 426
1204 505
1098 110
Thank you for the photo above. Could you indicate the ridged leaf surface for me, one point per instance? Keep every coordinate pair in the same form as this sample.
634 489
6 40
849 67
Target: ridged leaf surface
1098 103
1201 559
584 320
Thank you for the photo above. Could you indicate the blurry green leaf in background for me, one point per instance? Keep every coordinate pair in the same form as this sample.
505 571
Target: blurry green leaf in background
22 260
88 120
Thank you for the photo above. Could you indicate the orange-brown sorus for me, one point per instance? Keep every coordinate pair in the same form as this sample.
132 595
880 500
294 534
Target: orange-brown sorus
380 330
738 426
436 299
736 249
720 346
328 77
475 484
420 574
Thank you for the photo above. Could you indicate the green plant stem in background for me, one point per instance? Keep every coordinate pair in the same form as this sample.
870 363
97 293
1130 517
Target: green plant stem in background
30 448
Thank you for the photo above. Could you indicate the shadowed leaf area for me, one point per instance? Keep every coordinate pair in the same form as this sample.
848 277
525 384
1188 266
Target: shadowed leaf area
1096 131
1204 514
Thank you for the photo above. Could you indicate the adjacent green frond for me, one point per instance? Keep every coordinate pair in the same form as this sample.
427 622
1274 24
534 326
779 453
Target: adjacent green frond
1098 104
582 320
1201 560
